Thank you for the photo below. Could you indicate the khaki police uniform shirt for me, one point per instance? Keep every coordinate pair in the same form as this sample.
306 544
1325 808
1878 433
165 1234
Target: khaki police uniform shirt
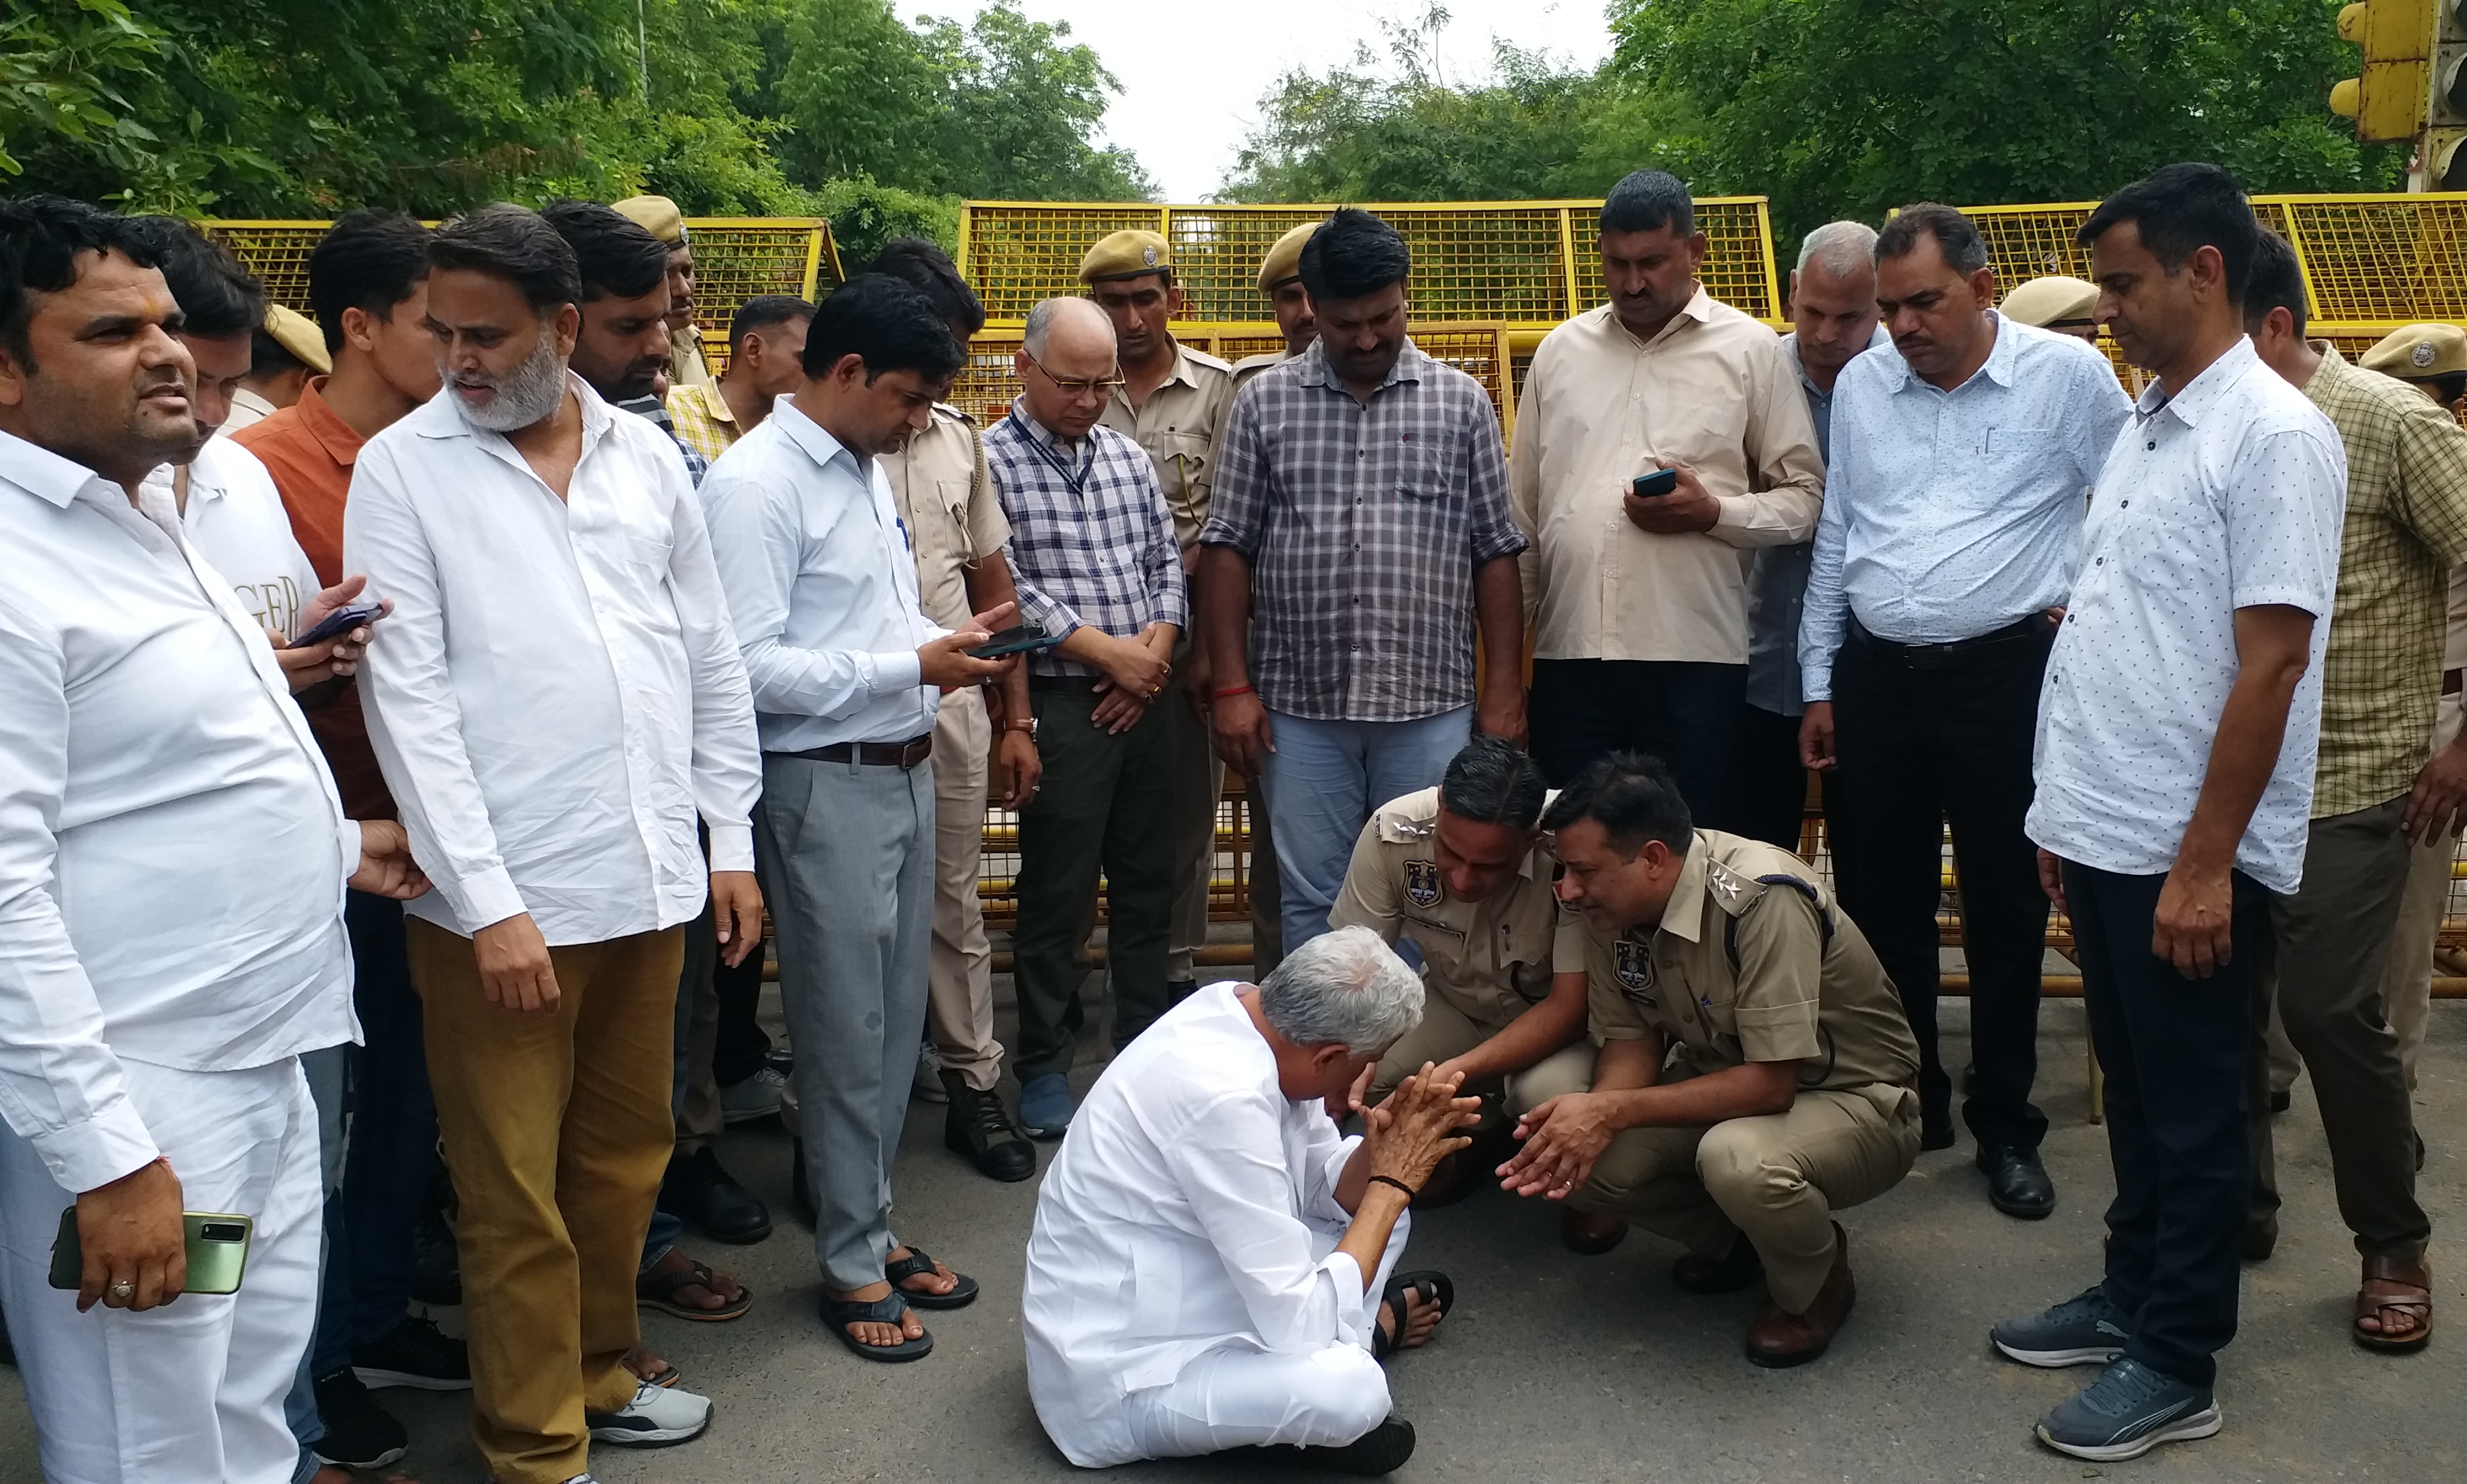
1492 959
1741 969
1251 365
953 516
1177 427
687 366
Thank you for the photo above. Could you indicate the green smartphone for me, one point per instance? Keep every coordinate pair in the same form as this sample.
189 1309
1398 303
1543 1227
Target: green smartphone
217 1251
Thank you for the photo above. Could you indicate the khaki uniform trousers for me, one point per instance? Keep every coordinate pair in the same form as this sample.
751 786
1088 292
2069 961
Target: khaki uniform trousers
960 962
1447 1032
1777 1179
556 1131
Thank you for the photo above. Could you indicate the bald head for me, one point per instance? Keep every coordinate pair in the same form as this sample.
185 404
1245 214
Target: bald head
1067 364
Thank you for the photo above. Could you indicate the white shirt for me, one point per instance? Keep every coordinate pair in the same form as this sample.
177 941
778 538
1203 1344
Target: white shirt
556 693
173 854
235 519
246 407
1180 1216
1951 515
2228 495
822 584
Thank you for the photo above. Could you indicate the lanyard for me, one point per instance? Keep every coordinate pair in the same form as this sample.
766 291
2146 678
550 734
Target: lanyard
1077 479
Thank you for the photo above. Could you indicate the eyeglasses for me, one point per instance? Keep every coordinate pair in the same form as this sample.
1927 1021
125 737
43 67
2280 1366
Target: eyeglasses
1104 389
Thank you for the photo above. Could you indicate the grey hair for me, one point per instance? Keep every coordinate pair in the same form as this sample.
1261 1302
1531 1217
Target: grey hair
1841 248
1342 988
1040 322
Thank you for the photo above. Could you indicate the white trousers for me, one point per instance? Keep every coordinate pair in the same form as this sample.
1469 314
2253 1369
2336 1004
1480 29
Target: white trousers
1237 1397
192 1392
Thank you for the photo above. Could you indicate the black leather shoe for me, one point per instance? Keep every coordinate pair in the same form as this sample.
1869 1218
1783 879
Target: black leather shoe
978 1127
1936 1132
2260 1238
1728 1274
699 1189
2017 1183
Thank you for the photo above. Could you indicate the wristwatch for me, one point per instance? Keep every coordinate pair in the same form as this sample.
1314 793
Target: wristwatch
1027 725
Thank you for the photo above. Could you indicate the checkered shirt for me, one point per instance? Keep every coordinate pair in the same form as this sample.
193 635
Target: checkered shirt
1362 525
2406 527
1103 555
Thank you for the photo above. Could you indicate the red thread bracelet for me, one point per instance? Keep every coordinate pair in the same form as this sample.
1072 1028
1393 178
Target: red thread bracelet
1232 691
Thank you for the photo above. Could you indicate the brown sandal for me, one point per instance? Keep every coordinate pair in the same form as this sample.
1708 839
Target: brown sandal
2386 1272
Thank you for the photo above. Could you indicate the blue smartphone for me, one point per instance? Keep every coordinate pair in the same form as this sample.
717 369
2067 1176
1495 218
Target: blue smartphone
1019 638
1661 482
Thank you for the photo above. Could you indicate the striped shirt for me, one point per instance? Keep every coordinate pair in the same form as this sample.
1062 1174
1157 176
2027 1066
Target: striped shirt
1362 523
1091 539
2406 526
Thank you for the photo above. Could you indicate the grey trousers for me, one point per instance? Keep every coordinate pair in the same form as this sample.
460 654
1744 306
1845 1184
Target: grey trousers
846 854
2322 961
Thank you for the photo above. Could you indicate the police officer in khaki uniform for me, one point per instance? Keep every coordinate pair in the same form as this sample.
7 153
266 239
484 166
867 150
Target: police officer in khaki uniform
1281 279
1756 1072
2053 302
659 216
957 531
1463 871
1172 402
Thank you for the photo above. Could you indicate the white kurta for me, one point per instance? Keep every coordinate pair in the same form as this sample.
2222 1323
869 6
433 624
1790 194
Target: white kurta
1191 1213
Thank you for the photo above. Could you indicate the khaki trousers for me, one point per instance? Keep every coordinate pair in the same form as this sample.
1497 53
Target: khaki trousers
556 1131
960 962
1447 1032
1777 1179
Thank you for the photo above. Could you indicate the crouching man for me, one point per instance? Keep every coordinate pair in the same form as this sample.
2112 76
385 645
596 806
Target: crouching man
1755 1068
1212 1267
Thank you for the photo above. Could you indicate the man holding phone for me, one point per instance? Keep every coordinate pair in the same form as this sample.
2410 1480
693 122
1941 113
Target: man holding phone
1092 546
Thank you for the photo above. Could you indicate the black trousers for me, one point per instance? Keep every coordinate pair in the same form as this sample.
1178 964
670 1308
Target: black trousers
2174 1052
1918 750
1768 794
1684 713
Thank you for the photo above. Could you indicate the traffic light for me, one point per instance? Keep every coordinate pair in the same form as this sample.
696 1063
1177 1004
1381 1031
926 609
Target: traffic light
2388 99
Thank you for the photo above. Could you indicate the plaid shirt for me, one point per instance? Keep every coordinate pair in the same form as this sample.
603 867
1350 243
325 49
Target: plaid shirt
1103 554
2406 527
700 418
1362 525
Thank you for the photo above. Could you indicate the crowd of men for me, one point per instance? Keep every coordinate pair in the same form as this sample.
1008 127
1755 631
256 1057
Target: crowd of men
419 706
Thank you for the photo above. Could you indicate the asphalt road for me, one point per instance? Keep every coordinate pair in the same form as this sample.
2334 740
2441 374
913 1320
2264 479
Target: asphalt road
1562 1368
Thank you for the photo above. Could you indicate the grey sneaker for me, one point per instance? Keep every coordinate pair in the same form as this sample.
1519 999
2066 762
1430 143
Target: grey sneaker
2085 1330
2128 1411
757 1096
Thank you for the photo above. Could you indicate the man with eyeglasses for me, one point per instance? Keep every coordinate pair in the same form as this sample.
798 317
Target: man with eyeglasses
1093 548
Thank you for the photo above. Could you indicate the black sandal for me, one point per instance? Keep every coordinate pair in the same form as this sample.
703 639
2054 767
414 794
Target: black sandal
1434 1287
964 1291
841 1312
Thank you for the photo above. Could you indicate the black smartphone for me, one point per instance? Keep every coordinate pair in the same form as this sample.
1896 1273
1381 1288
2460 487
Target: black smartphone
342 620
1019 638
1661 482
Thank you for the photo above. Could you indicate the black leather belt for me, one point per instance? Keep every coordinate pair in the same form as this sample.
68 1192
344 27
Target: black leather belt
1063 681
872 754
2011 637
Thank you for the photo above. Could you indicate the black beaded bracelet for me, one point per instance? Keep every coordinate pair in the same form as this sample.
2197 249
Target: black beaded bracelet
1389 1179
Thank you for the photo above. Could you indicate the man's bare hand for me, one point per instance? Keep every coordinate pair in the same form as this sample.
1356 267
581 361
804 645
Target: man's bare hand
1135 667
335 659
2193 926
1118 711
946 663
1562 1139
130 1231
386 867
1816 737
1242 736
1684 511
736 914
1021 766
1414 1127
515 967
2439 805
2052 879
1501 712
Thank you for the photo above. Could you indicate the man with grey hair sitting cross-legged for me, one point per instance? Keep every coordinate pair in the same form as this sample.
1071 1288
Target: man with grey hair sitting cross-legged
1213 1267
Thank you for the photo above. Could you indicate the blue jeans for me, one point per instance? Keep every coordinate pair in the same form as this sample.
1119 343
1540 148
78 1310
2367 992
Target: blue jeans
393 1157
1324 779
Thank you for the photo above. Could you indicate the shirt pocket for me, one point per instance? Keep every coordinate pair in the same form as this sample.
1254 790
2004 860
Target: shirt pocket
951 517
1422 469
646 552
1182 462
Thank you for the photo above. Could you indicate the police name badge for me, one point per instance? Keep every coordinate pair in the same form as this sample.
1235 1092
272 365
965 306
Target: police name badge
1422 882
1634 965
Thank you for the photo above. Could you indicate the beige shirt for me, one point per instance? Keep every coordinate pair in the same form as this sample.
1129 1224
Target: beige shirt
687 366
1491 959
1177 427
947 501
1714 391
1748 967
1251 365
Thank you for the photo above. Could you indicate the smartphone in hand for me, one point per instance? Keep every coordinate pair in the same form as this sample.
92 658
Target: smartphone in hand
1661 482
342 620
1019 638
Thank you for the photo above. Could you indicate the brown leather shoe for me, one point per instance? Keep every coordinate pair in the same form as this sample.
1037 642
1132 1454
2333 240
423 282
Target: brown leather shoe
1779 1338
1728 1274
1592 1235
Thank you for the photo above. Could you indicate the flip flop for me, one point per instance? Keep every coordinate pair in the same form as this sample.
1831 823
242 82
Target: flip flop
841 1312
963 1293
1429 1283
661 1293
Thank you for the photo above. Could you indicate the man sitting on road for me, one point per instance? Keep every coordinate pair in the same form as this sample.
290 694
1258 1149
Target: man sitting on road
1463 872
1789 1096
1207 1249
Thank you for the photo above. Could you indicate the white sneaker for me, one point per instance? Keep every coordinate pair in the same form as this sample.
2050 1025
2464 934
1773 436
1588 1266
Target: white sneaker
655 1418
756 1097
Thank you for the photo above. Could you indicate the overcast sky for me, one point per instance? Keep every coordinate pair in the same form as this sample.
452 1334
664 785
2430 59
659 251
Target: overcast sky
1193 71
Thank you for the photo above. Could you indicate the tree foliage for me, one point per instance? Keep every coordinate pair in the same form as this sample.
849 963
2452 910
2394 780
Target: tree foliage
305 108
